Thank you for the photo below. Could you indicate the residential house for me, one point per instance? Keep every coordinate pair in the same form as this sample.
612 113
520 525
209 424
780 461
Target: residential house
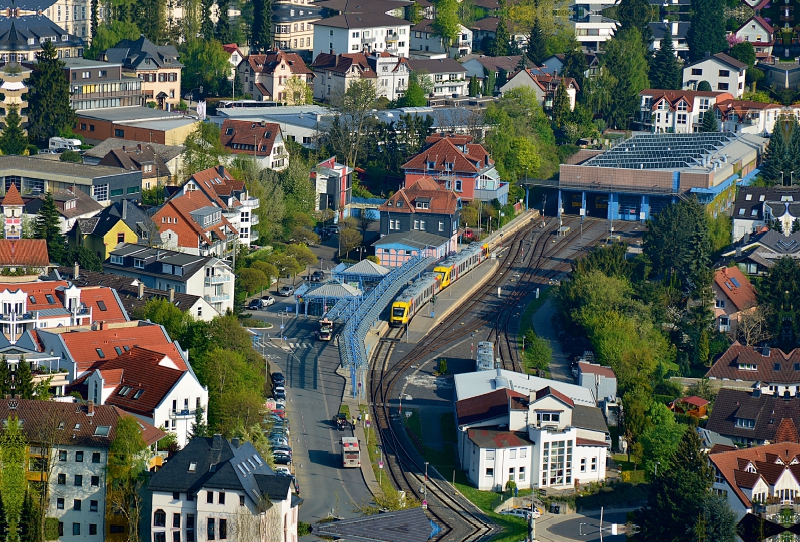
749 478
156 65
601 380
217 184
134 295
427 43
676 111
479 65
152 386
143 158
264 76
194 224
376 25
70 204
545 86
459 165
592 28
751 417
724 73
740 116
24 31
759 252
217 488
477 383
710 440
81 349
335 73
761 34
205 276
424 206
294 25
74 17
333 185
171 155
446 75
541 439
758 206
67 446
554 65
678 30
42 305
391 73
769 370
734 297
261 140
122 222
691 405
100 85
484 30
236 57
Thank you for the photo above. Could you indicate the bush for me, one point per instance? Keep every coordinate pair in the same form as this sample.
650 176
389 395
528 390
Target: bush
303 528
71 156
442 366
51 528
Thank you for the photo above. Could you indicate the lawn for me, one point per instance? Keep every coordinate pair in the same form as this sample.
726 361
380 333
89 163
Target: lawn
533 306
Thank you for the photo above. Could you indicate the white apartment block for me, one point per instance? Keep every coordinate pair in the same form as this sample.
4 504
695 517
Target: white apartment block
425 41
592 29
373 32
74 16
678 111
448 76
722 72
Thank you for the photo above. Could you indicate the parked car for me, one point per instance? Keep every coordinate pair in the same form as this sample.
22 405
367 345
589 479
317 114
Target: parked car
332 230
267 300
254 305
278 379
320 275
282 459
278 441
521 512
282 449
279 395
286 291
283 471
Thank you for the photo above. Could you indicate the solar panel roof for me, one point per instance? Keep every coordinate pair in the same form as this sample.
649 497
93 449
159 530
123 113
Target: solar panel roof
662 151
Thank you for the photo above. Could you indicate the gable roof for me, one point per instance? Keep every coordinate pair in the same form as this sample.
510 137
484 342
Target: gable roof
268 62
247 137
124 210
135 54
12 196
436 65
674 97
490 405
495 63
549 391
187 228
424 190
769 365
80 204
593 368
24 253
545 81
720 57
736 286
166 152
81 422
342 63
443 152
135 158
766 411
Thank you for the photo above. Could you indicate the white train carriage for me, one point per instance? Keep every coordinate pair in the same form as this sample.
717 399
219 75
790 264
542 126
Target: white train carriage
411 300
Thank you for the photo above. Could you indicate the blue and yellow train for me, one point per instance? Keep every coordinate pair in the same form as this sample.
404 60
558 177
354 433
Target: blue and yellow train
414 297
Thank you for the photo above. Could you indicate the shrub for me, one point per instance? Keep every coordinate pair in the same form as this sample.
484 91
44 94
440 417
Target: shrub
51 528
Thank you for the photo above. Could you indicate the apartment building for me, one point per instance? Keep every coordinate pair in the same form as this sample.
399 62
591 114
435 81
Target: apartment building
74 16
447 75
262 141
678 111
264 76
205 276
425 42
194 224
294 25
724 73
67 448
100 85
370 26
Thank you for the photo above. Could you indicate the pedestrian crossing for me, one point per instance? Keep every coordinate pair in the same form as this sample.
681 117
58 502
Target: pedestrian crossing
291 344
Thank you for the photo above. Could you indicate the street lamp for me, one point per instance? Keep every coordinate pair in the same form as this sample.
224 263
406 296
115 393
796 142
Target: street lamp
425 492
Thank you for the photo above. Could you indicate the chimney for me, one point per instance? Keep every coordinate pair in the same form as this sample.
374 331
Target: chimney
216 443
102 325
76 270
221 170
235 442
140 286
90 408
333 52
124 209
172 295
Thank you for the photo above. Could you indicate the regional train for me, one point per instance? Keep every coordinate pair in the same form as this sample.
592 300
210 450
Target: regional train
419 292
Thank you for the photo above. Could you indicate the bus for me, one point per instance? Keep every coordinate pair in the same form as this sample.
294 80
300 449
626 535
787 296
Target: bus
351 452
239 104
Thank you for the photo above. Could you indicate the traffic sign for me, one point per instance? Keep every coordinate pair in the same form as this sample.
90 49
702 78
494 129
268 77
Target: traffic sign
284 338
380 464
283 327
424 505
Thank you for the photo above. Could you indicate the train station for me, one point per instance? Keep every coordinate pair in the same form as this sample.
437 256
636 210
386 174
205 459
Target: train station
641 175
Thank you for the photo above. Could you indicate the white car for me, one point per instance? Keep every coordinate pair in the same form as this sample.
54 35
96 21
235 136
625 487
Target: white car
521 512
283 470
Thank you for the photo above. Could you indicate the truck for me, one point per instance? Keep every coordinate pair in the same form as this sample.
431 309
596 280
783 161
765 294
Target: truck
325 330
64 144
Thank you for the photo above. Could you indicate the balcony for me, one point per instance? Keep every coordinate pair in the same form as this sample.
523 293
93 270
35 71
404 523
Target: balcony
392 38
368 40
249 203
254 220
184 413
217 279
500 194
217 298
19 318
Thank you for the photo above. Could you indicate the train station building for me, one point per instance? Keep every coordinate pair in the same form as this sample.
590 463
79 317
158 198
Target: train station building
643 174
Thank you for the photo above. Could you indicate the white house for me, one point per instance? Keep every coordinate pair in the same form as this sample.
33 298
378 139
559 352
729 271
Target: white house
724 73
153 387
425 41
756 205
391 74
538 440
750 477
592 28
218 489
545 86
447 75
761 34
365 27
746 117
678 111
678 30
478 383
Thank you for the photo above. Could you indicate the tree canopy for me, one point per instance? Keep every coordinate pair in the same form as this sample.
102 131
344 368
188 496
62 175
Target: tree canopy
626 67
13 139
665 70
206 64
49 109
707 30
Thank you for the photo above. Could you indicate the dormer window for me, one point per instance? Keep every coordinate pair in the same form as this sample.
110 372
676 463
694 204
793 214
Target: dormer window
431 165
748 366
229 131
745 423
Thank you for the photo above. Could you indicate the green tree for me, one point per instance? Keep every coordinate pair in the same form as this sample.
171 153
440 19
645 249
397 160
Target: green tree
636 14
446 24
110 34
5 377
776 158
298 92
489 82
716 521
707 30
127 465
709 123
71 156
23 380
49 109
561 104
48 227
414 96
744 52
537 44
676 494
625 59
84 257
660 440
206 64
223 31
152 18
199 427
251 280
704 86
345 135
665 70
635 422
261 32
302 255
349 239
501 44
13 485
29 520
203 149
538 352
474 86
13 139
575 65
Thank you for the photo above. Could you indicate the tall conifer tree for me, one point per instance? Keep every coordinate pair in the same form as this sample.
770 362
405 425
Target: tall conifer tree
665 71
49 109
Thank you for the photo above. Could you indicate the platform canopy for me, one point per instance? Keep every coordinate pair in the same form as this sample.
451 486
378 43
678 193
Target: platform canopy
363 271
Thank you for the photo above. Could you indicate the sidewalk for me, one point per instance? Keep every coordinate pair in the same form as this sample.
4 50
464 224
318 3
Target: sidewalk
366 464
542 321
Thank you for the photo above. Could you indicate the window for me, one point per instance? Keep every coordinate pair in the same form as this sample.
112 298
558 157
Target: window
76 529
117 192
79 456
210 497
133 189
78 480
138 263
221 500
176 536
720 303
512 453
159 518
76 504
522 474
93 528
119 133
100 192
489 471
441 226
95 481
724 73
511 472
62 455
223 529
241 500
116 529
60 503
93 506
697 71
523 453
681 118
211 529
160 537
176 520
60 528
594 464
722 86
62 479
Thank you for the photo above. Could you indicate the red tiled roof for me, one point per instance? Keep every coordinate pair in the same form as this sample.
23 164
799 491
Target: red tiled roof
231 48
268 62
674 96
24 253
489 405
12 196
546 82
774 367
112 377
458 139
441 201
83 345
486 438
693 400
544 392
187 229
239 136
445 152
148 371
92 296
734 284
593 368
342 63
786 431
719 448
